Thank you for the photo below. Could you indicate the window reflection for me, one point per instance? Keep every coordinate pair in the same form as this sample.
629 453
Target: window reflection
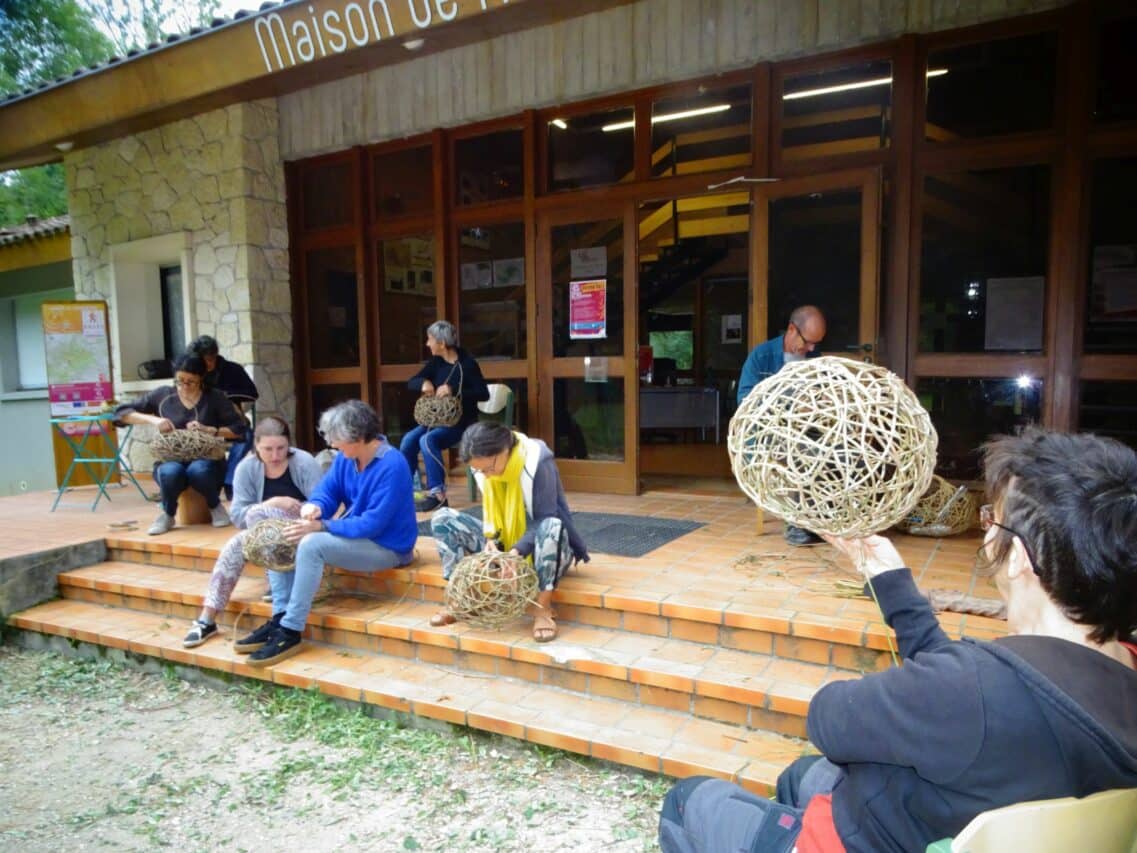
333 308
397 416
491 278
403 182
1111 312
407 302
837 111
591 150
1110 408
489 167
590 252
588 419
327 194
701 132
1117 69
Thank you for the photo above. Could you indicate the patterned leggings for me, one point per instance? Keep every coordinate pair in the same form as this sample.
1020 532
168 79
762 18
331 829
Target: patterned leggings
231 562
458 534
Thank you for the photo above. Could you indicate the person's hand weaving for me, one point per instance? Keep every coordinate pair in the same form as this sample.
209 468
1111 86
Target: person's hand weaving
296 531
164 425
870 555
443 391
310 512
197 426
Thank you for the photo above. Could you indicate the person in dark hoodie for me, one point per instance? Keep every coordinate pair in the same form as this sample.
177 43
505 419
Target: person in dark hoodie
913 754
524 512
450 370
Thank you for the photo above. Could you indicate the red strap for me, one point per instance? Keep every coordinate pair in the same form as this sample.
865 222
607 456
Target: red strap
818 832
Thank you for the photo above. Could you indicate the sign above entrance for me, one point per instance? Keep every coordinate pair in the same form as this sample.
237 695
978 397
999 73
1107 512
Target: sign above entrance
303 32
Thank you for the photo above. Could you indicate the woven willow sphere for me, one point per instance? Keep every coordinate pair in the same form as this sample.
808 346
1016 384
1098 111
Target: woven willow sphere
833 445
266 547
478 594
433 411
925 520
186 445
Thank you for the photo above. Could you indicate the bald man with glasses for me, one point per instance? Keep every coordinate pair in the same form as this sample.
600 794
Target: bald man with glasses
801 339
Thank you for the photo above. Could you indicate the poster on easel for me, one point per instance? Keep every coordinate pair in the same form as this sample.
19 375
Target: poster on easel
76 338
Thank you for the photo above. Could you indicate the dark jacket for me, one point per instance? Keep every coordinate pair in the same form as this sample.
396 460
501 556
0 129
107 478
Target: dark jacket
464 377
966 726
763 362
231 379
213 409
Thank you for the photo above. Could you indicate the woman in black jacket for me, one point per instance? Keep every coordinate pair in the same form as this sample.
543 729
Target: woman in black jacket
449 371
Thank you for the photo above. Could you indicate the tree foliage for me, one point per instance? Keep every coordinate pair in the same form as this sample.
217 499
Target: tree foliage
134 24
45 39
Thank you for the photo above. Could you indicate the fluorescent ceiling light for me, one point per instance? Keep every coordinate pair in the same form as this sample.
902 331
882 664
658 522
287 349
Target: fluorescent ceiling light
1024 381
656 119
848 87
559 122
414 44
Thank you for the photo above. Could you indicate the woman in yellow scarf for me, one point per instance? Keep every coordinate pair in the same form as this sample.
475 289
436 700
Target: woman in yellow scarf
524 512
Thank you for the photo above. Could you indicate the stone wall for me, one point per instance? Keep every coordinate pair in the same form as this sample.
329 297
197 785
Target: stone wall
220 177
629 47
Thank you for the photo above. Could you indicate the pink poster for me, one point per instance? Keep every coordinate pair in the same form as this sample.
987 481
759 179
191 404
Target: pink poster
588 309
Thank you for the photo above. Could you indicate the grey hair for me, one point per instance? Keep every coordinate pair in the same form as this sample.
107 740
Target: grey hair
444 333
485 438
352 420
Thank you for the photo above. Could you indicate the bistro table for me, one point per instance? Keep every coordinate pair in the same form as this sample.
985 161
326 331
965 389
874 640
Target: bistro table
81 453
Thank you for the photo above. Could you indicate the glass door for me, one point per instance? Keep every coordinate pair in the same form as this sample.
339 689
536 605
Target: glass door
817 242
585 345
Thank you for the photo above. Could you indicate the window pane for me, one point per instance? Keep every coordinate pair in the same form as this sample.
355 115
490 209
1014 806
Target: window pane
403 182
327 195
406 302
491 274
983 260
397 414
333 309
1110 408
967 412
837 111
173 311
588 419
588 252
323 398
591 150
1117 69
1004 86
701 132
490 167
1111 315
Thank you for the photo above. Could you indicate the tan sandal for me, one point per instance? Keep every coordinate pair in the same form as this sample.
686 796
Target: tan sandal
544 628
442 618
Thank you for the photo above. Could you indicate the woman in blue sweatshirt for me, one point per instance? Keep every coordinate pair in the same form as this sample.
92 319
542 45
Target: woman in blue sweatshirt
376 529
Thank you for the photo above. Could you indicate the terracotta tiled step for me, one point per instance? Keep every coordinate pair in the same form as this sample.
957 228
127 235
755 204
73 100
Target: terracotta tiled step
653 739
751 688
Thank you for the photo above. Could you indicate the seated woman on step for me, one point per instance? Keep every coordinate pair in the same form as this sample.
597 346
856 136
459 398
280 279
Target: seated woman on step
524 512
376 529
271 482
913 754
187 404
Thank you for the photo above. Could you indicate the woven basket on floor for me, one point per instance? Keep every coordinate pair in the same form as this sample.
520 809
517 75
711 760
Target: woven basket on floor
431 411
478 594
925 518
186 445
833 445
266 547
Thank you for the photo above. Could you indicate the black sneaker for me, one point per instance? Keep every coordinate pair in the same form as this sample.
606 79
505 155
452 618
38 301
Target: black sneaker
430 503
801 537
255 640
282 643
199 632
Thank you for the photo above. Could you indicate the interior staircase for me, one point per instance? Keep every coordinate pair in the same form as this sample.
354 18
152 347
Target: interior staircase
670 687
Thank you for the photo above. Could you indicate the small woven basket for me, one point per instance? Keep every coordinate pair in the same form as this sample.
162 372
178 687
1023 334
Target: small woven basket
477 593
186 445
940 513
431 411
266 547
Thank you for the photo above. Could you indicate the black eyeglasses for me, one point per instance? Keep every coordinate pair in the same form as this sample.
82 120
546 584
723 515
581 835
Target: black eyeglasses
987 521
804 339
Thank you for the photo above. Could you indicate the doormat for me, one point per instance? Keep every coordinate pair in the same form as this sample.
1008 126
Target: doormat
609 533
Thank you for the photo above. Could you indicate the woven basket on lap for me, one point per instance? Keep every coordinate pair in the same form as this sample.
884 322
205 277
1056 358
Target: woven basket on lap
266 547
928 517
833 445
477 593
186 445
431 411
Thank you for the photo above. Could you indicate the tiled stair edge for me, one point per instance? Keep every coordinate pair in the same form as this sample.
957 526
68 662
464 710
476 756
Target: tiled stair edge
655 740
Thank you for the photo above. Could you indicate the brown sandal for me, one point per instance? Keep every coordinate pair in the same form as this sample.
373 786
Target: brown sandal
442 618
544 628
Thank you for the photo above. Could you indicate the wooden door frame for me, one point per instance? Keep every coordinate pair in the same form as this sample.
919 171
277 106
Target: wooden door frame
868 181
583 474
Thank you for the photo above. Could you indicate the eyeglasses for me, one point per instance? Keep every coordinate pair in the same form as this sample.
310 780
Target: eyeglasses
187 383
987 521
804 339
491 469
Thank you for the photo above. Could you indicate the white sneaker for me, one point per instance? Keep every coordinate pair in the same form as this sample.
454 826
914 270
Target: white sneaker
218 517
162 524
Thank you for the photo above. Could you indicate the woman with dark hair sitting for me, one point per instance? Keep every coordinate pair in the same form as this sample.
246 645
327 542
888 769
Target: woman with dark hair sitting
376 530
271 482
524 512
449 371
913 754
187 404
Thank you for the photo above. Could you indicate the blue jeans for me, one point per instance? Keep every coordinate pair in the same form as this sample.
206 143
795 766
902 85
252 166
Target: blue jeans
292 592
431 441
205 476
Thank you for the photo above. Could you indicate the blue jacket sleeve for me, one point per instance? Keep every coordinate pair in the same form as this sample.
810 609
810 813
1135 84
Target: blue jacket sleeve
750 376
328 494
368 521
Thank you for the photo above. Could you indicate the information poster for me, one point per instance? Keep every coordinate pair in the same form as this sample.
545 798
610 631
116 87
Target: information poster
588 309
75 336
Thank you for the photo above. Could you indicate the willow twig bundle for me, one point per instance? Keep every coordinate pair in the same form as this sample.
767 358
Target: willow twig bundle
186 445
943 511
434 411
266 546
478 593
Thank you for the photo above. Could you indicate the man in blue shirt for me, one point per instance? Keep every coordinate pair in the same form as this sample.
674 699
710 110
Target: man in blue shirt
800 340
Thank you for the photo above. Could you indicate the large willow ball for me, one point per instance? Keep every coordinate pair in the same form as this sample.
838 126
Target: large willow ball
186 445
477 593
265 545
833 445
432 411
928 517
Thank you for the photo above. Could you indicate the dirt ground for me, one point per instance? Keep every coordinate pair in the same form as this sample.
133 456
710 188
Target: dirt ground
95 755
